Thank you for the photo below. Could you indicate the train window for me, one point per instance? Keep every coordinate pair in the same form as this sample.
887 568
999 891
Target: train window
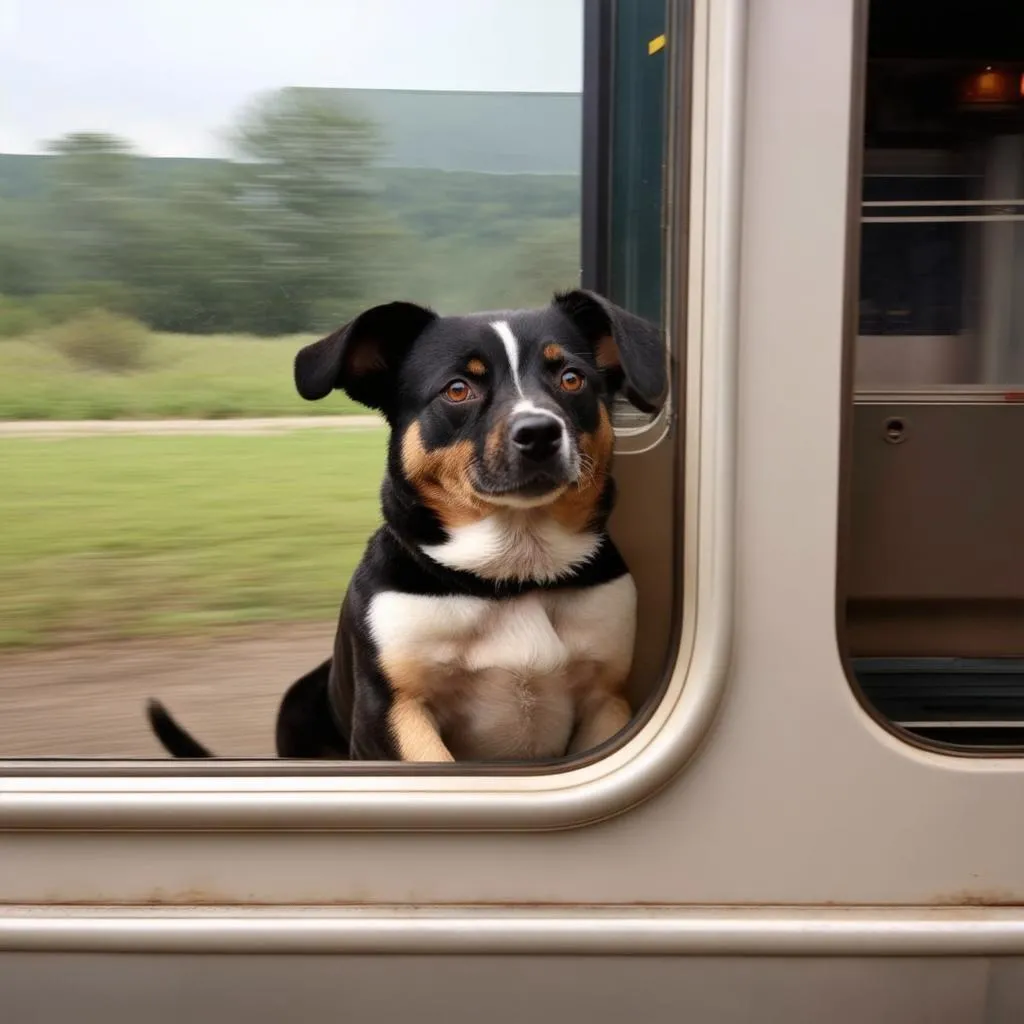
933 559
179 524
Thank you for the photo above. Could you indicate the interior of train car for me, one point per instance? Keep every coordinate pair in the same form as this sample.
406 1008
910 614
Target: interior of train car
932 605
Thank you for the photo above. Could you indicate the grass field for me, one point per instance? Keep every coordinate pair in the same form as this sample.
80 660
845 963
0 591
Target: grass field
128 536
185 376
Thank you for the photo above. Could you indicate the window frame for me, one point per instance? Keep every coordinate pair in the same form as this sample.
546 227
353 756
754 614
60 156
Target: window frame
706 41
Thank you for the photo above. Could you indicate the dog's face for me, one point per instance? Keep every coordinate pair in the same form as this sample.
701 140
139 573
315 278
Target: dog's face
502 410
495 410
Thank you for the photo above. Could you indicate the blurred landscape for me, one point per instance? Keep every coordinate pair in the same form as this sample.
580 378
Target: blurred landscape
143 288
167 269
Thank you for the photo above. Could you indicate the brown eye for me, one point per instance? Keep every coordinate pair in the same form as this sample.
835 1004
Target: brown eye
457 391
570 380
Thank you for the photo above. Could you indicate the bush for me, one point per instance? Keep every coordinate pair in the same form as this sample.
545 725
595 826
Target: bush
100 340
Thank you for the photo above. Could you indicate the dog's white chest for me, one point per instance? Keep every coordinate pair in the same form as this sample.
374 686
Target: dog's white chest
504 679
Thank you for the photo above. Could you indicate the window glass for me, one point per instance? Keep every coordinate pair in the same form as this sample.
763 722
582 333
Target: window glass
637 158
627 150
935 602
189 193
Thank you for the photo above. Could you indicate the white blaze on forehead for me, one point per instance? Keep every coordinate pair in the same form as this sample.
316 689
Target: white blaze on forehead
511 343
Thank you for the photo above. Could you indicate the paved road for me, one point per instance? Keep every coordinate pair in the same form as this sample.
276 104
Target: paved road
267 425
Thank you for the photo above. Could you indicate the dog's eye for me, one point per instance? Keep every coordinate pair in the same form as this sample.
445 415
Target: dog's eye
571 380
457 391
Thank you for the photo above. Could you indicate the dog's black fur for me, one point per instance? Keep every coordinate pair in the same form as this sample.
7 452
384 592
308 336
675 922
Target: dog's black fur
450 455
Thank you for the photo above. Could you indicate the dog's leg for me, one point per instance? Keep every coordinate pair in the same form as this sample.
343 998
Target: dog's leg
602 716
415 732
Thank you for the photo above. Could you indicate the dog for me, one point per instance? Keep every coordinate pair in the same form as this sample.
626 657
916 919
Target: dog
491 618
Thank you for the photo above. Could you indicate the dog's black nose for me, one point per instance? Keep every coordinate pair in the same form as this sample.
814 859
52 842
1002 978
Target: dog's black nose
537 437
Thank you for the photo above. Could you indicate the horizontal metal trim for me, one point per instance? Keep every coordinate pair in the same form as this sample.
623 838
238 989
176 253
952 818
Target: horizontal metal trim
958 723
957 218
579 931
888 203
951 394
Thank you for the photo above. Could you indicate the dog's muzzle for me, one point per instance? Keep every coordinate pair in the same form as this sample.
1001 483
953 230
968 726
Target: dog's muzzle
535 463
538 452
536 437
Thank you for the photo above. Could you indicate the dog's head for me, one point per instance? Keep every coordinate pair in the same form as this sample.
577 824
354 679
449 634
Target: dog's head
499 409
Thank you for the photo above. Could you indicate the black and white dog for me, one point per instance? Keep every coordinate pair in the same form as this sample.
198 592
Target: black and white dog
491 617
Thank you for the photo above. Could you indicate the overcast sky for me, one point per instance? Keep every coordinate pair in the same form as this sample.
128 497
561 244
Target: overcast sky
169 74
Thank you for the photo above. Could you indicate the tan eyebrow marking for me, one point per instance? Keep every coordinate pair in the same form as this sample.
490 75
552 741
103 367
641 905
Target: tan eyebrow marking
477 367
553 353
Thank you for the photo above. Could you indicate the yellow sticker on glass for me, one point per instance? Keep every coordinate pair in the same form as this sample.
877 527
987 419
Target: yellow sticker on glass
656 44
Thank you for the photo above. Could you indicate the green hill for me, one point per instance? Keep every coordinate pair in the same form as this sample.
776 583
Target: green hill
472 201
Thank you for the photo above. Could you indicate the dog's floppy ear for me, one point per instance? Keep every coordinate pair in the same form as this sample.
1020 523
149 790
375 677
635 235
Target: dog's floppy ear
629 350
363 356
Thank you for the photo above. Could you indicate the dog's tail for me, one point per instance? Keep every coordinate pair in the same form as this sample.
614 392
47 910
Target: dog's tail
178 742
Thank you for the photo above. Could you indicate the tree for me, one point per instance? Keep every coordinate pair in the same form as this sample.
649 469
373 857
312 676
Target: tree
305 188
90 205
93 160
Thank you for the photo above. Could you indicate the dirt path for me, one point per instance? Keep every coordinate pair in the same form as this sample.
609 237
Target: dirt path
265 425
88 701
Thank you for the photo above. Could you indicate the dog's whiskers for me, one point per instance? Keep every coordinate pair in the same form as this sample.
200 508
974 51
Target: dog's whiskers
587 472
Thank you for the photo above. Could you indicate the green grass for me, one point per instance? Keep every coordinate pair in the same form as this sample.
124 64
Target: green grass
104 538
184 376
